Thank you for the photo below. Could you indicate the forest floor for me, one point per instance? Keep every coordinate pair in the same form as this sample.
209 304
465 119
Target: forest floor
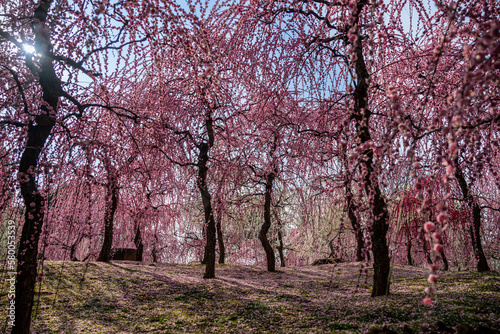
132 297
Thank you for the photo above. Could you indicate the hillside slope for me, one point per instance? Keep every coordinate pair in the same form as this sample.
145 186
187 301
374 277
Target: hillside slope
127 297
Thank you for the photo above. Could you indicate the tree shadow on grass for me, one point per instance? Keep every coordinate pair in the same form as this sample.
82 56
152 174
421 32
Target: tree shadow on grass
126 297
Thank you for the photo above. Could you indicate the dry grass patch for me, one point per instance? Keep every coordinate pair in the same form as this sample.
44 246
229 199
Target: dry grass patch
127 297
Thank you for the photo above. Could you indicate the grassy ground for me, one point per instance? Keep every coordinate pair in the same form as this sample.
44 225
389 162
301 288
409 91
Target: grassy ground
126 297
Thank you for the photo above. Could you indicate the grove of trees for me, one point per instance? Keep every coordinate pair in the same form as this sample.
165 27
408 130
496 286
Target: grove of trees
251 132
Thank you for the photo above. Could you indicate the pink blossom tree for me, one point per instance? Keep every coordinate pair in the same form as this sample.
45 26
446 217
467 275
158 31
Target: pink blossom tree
42 49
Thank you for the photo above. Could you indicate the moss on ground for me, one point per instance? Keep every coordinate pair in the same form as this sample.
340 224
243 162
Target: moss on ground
126 297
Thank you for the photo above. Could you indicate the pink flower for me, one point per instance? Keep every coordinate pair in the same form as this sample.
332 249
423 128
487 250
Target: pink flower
442 217
433 267
429 226
450 170
427 301
438 248
429 290
453 147
436 236
432 278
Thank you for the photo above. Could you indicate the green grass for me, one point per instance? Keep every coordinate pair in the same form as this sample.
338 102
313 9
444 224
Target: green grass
125 297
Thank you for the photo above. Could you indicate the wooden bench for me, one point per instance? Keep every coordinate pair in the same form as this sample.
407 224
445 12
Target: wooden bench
128 254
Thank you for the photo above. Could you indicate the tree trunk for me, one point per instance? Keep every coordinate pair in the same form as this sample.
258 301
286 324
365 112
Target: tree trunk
207 207
72 256
408 249
204 236
109 214
482 264
138 243
154 253
280 249
281 245
475 229
358 232
270 257
381 260
204 147
38 132
72 250
446 266
361 114
425 249
220 239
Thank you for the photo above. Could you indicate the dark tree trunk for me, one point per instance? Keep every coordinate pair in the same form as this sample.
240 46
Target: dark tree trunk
270 257
360 244
332 248
425 249
281 245
37 135
72 250
446 266
475 229
361 114
154 255
207 208
482 264
280 249
204 147
220 239
154 252
109 214
408 249
138 243
204 236
381 260
358 232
